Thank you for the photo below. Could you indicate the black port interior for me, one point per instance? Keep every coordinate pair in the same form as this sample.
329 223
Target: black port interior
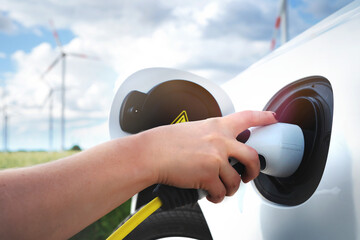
307 103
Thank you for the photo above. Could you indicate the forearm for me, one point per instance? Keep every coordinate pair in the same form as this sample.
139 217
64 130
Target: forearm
62 197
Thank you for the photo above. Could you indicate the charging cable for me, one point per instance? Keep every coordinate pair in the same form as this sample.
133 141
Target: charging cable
167 198
280 147
136 219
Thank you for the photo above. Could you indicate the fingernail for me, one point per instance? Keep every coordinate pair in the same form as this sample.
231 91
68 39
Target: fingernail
275 116
215 199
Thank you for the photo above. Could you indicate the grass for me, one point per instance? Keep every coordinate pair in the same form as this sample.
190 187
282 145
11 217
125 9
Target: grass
100 229
25 159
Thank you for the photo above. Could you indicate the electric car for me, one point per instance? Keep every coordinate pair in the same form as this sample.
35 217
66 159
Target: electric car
313 81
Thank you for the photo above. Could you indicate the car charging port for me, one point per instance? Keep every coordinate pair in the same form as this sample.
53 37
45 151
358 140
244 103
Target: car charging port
307 103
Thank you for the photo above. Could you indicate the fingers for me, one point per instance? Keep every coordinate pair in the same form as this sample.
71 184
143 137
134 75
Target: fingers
230 178
240 121
248 157
216 191
216 139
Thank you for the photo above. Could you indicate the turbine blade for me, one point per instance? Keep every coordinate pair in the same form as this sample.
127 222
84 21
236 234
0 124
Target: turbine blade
55 34
47 99
81 55
52 65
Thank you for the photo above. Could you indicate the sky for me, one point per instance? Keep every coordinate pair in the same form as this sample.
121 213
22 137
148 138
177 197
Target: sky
214 39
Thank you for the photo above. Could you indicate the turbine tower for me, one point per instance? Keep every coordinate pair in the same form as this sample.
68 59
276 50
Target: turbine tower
6 117
5 121
5 128
50 99
62 57
281 21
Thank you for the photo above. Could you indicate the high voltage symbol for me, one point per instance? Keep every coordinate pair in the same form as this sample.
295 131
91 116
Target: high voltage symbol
181 118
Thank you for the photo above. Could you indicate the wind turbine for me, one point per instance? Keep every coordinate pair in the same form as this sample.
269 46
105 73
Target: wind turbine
50 99
5 128
6 117
62 57
281 21
5 121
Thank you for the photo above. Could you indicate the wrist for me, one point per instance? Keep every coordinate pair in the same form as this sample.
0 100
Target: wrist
149 157
140 157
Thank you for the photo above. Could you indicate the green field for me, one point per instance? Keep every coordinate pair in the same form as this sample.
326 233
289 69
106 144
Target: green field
24 159
100 229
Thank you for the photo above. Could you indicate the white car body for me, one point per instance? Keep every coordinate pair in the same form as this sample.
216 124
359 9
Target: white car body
330 49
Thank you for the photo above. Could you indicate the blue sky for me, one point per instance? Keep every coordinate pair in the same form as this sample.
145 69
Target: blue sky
215 39
25 39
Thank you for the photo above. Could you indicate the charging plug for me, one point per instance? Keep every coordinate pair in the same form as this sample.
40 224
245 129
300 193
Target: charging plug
280 147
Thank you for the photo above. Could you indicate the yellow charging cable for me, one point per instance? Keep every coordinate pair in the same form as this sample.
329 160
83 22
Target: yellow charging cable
136 219
156 203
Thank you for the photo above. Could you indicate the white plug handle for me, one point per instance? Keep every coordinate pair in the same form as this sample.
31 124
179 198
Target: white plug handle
281 145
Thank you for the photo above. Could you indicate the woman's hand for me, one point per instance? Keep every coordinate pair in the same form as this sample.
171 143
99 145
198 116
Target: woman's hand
195 154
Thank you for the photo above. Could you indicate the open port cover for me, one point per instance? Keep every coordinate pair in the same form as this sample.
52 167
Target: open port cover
160 96
163 103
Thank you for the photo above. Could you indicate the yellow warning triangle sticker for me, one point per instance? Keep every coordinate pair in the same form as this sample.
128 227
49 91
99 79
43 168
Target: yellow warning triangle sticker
181 118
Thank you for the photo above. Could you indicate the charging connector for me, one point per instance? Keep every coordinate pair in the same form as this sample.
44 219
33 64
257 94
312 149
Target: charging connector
280 147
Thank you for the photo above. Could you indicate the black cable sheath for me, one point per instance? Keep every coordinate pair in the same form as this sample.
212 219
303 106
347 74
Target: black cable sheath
173 197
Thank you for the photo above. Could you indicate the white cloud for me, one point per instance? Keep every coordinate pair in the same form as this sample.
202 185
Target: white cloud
87 97
6 25
216 39
243 19
130 35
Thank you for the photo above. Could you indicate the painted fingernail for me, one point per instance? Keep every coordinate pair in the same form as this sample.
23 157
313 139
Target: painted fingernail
275 116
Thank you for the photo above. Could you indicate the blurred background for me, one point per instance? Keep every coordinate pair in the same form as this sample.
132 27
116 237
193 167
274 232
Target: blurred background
113 39
62 61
